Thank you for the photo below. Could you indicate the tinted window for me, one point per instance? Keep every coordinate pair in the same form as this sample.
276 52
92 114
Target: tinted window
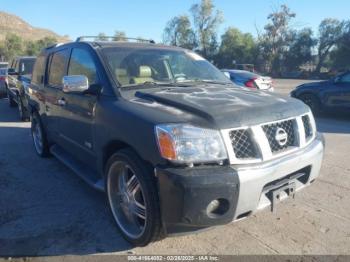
58 67
26 66
81 63
39 70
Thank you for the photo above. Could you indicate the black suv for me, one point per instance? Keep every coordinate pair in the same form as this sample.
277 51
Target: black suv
19 75
173 143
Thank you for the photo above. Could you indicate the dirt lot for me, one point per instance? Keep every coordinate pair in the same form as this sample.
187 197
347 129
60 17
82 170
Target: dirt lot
46 210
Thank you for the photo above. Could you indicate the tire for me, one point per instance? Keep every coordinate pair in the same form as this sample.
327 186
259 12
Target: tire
133 198
40 142
313 102
23 114
12 103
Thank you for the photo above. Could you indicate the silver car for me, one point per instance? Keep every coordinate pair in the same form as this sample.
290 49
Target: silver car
249 79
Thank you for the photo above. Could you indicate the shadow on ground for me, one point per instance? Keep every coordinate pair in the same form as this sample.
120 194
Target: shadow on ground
45 210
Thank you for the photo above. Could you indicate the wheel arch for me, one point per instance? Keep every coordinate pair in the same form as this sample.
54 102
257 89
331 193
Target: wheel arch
114 146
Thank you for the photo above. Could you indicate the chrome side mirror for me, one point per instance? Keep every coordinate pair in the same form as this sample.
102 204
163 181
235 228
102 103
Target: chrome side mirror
227 74
75 84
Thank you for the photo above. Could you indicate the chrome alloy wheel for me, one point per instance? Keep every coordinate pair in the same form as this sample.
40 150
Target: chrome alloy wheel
126 199
37 136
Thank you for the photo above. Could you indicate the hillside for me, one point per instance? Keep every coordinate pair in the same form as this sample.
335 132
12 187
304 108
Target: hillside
13 24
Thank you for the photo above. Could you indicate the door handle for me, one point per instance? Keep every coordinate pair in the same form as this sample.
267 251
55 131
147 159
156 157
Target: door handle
61 102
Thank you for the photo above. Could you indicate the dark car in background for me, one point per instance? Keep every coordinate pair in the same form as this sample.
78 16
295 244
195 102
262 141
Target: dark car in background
249 79
332 95
19 76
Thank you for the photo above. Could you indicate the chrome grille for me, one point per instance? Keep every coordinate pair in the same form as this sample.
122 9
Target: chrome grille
242 144
270 132
307 126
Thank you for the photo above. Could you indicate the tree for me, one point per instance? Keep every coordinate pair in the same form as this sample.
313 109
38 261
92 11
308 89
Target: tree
300 50
236 46
34 47
206 21
178 32
101 37
276 38
340 56
330 32
119 36
13 45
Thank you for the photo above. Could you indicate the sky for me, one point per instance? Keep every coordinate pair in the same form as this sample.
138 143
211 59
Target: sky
147 19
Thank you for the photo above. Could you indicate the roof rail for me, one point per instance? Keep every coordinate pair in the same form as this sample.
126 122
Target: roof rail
114 38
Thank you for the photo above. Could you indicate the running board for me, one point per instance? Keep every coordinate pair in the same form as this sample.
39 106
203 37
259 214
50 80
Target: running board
82 171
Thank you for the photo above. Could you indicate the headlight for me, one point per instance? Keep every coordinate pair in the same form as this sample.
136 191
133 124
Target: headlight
189 144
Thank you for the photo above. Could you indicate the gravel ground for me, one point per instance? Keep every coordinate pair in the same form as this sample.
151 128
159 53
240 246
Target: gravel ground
46 210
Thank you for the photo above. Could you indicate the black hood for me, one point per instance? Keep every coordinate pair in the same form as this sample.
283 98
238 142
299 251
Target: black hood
227 107
315 84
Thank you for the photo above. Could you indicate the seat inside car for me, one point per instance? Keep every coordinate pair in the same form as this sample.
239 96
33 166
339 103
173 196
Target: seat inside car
144 75
122 76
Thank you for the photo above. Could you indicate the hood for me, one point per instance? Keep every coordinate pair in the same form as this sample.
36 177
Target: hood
314 84
226 107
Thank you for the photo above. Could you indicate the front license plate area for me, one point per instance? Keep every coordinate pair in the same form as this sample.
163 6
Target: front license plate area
276 194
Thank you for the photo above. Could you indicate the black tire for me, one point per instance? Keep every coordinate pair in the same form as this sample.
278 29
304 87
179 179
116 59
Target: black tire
151 229
12 102
23 113
313 102
40 142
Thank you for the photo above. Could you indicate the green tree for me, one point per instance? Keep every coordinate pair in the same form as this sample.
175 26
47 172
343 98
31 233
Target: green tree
178 32
276 38
236 46
34 47
12 46
206 20
330 32
340 57
101 37
300 50
119 36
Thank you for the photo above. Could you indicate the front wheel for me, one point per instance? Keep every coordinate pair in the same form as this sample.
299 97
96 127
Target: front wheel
133 198
39 136
22 111
12 102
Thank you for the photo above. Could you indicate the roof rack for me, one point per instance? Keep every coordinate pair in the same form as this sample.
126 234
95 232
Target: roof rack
113 38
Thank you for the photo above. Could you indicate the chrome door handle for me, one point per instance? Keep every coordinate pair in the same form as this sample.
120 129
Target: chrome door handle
61 102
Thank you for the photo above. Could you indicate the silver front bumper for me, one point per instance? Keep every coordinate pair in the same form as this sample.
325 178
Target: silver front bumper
253 179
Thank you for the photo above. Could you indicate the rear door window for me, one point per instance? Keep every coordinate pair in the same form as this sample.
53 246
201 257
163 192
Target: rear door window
58 68
39 70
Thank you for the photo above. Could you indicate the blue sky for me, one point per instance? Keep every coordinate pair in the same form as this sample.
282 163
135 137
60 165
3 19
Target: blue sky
148 18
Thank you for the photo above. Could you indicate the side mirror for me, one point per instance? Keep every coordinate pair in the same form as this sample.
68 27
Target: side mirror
75 84
11 72
227 74
337 80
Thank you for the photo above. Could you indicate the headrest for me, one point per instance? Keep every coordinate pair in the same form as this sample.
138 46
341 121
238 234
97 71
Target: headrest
145 71
121 72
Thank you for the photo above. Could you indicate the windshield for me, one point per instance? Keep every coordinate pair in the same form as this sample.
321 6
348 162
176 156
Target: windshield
132 66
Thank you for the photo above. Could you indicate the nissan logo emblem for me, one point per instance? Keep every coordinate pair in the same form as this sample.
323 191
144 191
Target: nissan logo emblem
281 136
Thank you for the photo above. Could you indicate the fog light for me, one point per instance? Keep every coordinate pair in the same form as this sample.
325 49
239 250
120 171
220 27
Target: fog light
217 207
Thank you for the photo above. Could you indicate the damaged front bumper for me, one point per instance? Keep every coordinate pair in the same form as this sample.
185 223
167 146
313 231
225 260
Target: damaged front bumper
196 198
